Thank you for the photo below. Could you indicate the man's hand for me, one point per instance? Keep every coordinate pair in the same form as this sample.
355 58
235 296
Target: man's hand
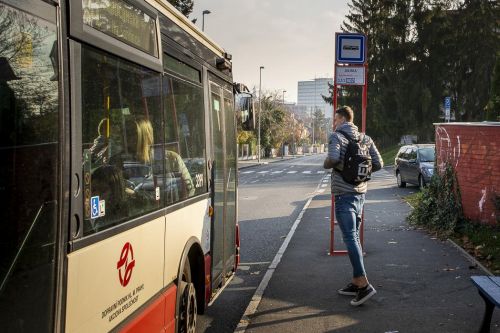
327 164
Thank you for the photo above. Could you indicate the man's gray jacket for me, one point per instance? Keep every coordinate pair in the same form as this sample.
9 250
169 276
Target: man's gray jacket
337 145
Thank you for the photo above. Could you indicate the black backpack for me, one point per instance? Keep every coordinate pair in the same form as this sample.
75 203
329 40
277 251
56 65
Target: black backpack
357 161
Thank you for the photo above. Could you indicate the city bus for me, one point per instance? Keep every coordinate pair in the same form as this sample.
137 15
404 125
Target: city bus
118 176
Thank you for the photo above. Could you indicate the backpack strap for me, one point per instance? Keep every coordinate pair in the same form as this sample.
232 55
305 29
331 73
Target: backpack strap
347 136
349 139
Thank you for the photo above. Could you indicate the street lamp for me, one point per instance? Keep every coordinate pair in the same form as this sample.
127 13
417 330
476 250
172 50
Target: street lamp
314 109
260 111
293 134
283 145
206 11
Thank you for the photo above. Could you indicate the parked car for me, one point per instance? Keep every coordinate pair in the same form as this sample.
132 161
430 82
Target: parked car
414 164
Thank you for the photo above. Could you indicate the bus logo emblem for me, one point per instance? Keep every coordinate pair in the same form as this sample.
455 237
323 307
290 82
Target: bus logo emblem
126 264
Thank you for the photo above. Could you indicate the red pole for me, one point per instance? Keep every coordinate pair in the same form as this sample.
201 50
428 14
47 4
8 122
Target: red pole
334 97
332 223
361 229
335 88
364 101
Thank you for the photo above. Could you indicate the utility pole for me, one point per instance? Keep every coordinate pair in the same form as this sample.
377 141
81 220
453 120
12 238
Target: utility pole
314 109
283 144
260 112
293 133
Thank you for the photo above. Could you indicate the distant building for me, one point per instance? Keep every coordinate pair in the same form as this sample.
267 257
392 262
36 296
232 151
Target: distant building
309 94
300 111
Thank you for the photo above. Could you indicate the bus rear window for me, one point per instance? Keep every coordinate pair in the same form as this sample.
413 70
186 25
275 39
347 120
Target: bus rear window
122 21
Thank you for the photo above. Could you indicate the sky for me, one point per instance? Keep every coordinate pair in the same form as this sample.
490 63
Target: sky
292 39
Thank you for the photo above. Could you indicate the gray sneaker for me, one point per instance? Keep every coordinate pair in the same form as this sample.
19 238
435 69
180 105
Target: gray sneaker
363 295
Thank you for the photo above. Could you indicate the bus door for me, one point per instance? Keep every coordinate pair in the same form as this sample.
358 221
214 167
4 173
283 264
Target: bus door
30 179
223 183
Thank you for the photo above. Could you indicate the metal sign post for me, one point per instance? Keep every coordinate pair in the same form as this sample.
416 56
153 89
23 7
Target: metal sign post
351 68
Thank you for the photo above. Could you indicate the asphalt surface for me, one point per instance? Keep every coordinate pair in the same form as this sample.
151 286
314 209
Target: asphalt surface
423 283
270 199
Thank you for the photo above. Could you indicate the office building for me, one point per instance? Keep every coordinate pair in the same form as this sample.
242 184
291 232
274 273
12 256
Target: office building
309 94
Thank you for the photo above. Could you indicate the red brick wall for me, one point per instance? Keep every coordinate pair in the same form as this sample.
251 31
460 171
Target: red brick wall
474 151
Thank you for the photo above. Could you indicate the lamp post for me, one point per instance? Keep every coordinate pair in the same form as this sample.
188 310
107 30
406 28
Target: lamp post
293 133
205 12
283 144
314 110
260 111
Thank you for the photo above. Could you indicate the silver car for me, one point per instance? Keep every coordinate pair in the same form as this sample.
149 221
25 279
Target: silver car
414 164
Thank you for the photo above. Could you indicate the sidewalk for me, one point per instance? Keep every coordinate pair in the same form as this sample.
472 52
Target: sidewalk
423 283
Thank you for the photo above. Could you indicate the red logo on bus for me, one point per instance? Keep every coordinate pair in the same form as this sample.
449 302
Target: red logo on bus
126 264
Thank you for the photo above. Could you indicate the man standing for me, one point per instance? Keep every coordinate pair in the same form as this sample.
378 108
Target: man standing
350 197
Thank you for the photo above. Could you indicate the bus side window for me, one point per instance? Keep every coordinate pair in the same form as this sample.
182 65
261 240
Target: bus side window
122 140
185 140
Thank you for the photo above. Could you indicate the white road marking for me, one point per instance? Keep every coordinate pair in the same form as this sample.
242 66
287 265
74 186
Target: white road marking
277 172
263 172
292 172
250 171
257 296
307 172
255 263
320 171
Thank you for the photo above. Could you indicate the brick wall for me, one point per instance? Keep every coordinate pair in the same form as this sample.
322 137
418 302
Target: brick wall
473 149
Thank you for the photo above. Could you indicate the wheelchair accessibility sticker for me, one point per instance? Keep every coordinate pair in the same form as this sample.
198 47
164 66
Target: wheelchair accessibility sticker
97 207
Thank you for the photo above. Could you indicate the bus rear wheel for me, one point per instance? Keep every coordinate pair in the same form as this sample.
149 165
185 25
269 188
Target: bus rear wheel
187 306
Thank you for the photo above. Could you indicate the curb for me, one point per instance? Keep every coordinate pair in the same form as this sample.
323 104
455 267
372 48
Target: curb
469 257
463 252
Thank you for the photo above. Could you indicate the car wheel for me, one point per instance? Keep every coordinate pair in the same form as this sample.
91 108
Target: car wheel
187 306
401 183
421 182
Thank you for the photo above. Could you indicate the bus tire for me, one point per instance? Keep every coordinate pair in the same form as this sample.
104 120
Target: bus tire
187 307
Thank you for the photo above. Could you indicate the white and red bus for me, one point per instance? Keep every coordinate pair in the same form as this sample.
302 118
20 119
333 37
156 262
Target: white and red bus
118 167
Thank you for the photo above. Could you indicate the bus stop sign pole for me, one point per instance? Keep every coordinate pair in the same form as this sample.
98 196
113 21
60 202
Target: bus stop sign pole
351 68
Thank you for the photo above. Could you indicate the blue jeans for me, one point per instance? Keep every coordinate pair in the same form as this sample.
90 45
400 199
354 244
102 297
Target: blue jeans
348 210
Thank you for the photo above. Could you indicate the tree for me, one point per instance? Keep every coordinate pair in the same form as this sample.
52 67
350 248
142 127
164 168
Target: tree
479 43
493 107
320 124
184 6
272 131
420 51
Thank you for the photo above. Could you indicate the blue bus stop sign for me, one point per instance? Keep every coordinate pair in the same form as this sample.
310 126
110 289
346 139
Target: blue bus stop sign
350 48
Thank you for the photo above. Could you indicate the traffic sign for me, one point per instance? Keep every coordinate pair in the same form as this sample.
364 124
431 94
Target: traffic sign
350 48
447 102
94 207
350 75
447 107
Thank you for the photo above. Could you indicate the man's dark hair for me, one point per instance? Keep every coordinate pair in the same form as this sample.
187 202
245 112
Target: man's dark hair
346 112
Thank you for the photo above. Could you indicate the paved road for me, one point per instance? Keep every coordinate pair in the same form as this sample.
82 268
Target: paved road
270 199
